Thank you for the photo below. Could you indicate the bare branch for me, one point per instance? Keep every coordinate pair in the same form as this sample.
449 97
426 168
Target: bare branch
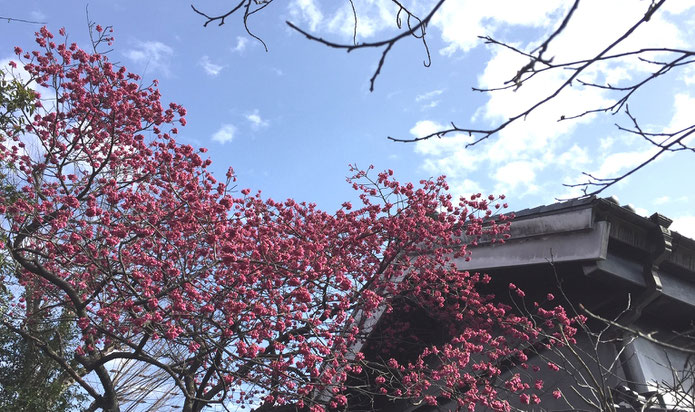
246 5
12 19
418 31
485 134
670 142
647 336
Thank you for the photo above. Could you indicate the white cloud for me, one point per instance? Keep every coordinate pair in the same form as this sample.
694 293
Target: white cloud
241 43
607 20
688 75
683 106
436 146
540 145
465 188
516 175
17 72
541 129
640 211
224 134
256 120
156 55
373 17
430 105
423 128
685 225
210 68
575 158
38 15
307 11
428 99
662 200
448 156
428 96
678 6
616 163
605 143
461 22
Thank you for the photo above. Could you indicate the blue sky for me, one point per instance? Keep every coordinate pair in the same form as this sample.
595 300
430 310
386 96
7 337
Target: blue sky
290 120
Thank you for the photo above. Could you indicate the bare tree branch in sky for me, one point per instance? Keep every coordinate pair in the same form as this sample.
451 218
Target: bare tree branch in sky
617 49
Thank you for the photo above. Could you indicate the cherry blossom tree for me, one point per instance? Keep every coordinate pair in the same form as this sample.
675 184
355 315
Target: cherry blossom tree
235 299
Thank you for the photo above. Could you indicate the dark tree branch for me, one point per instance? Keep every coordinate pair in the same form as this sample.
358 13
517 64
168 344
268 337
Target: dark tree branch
671 142
12 19
246 5
544 46
418 31
668 141
485 134
220 17
647 336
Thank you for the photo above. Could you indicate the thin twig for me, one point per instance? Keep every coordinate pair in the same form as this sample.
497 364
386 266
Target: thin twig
646 336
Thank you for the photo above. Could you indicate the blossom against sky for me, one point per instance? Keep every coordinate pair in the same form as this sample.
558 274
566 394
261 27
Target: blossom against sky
290 120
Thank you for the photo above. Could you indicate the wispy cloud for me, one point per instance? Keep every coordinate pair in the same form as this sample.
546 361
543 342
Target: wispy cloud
224 134
307 11
662 200
430 105
429 100
428 96
241 43
257 122
210 68
37 15
154 54
688 76
374 16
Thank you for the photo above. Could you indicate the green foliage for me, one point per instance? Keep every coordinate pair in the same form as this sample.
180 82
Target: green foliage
17 102
29 380
15 98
